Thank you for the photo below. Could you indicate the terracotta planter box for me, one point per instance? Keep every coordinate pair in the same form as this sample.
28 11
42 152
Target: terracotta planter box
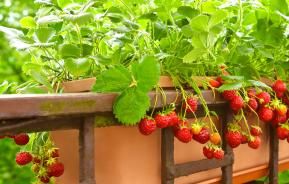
124 156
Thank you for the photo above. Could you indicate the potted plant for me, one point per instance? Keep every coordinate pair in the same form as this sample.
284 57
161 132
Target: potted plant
132 48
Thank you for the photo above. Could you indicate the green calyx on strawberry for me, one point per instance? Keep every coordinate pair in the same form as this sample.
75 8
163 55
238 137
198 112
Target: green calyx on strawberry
255 130
203 136
191 104
265 114
254 142
233 135
147 126
263 98
283 131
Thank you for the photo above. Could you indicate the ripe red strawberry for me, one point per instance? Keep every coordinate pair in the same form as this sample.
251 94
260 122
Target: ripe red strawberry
10 136
55 153
279 94
56 169
229 94
214 83
147 126
253 104
181 124
219 154
279 119
265 114
21 139
282 132
285 99
279 86
251 93
208 152
244 139
192 104
203 136
23 158
174 119
220 80
255 131
44 179
184 135
162 120
254 142
234 138
263 98
36 160
281 109
236 103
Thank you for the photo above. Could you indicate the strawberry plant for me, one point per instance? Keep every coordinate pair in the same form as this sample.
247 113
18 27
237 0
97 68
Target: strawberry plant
127 45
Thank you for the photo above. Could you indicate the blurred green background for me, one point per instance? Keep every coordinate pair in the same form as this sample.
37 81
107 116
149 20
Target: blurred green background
11 11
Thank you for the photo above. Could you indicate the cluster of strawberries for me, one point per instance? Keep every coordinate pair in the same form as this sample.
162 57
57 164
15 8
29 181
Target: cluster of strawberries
45 160
268 109
183 130
46 164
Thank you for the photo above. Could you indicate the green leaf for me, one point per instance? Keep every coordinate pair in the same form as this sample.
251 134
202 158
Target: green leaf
187 31
28 22
4 87
45 34
131 106
80 19
146 73
194 55
69 50
188 11
115 79
77 67
64 3
258 84
200 23
49 19
233 77
217 18
41 78
231 86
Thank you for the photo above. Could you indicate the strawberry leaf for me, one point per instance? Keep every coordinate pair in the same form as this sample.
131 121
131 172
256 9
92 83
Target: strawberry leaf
146 73
231 86
114 79
131 106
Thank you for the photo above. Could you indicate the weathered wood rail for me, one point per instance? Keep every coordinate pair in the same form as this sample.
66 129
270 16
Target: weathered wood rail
34 113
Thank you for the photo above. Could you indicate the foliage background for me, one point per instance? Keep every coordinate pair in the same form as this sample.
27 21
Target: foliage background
11 62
